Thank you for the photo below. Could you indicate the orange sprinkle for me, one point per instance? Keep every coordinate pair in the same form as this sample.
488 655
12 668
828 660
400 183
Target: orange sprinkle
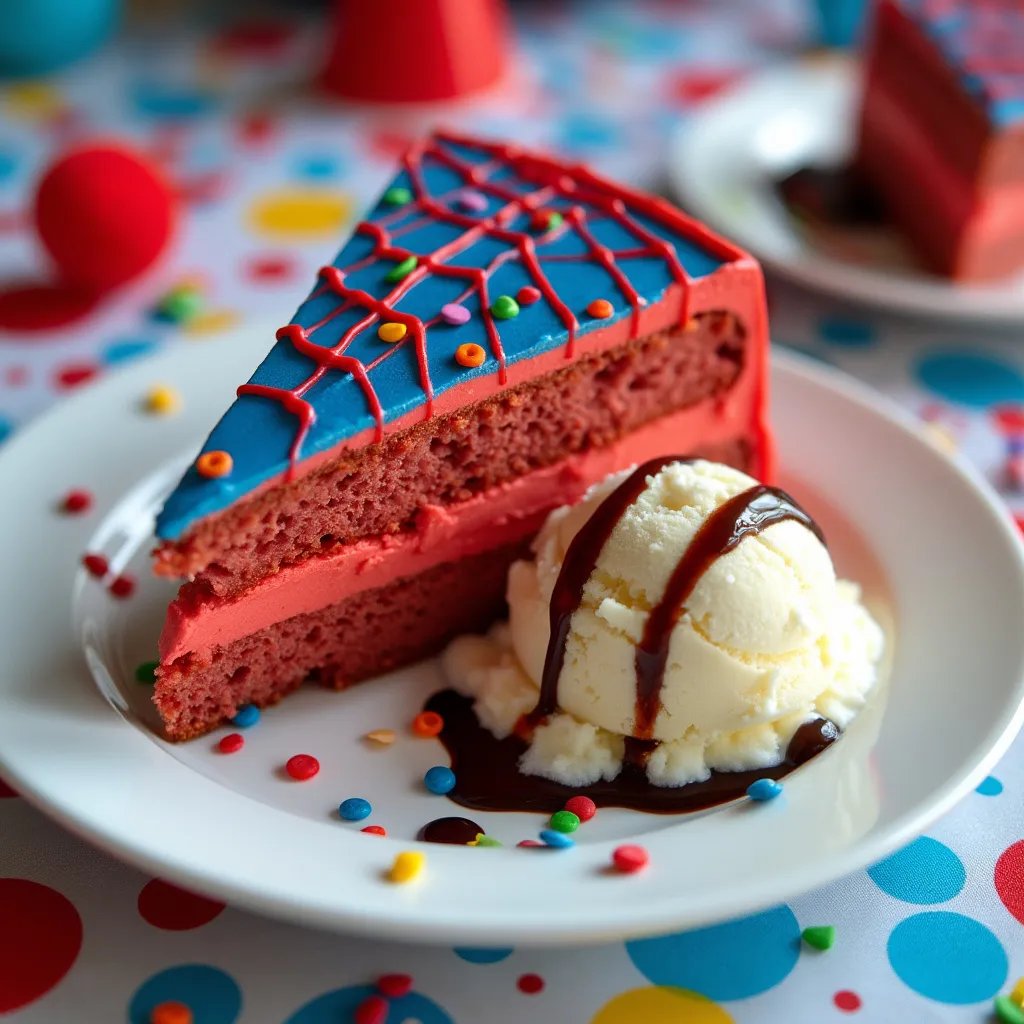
427 724
470 355
601 309
170 1013
214 464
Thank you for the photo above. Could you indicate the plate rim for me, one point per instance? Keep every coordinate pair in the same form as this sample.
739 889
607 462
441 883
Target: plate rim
403 923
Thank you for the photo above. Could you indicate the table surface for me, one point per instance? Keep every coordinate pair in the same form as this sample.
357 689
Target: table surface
272 178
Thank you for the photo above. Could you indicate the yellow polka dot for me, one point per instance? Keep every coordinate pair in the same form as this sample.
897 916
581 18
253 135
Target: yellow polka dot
33 101
299 215
211 322
661 1005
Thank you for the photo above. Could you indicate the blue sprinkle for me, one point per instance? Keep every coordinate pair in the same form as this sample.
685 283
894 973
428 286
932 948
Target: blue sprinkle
439 780
764 789
989 786
246 715
355 808
556 840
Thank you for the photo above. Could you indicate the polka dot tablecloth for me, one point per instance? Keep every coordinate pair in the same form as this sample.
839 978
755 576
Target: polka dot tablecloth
270 179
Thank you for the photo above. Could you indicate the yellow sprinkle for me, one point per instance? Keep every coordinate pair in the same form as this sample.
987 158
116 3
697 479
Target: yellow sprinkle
407 866
391 331
162 400
33 101
211 322
383 737
1017 995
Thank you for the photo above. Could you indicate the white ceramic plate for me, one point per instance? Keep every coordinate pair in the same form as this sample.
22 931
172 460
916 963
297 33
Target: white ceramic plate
724 165
935 552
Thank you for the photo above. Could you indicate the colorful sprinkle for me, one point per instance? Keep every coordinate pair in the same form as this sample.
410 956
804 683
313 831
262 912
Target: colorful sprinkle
162 400
630 858
439 780
355 808
427 724
556 840
146 672
400 270
122 586
232 743
530 984
454 314
600 309
484 840
96 565
527 295
76 502
246 716
407 866
394 986
1007 1011
1017 994
180 305
564 821
470 199
820 936
397 196
764 789
470 355
545 220
375 830
582 806
504 307
380 737
302 767
847 1001
214 464
170 1013
391 332
529 844
372 1010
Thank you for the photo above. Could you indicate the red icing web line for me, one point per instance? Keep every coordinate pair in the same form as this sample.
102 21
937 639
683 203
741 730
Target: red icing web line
575 184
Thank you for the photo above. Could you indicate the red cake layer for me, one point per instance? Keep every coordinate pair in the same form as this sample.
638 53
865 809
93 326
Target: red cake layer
366 634
381 489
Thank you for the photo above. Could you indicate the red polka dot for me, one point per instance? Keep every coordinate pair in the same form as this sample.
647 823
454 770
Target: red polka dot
43 307
847 1001
6 792
40 937
1010 879
269 269
175 910
696 86
16 376
256 128
530 984
71 375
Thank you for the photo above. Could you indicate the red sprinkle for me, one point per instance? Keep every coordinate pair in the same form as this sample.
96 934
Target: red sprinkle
582 806
847 1001
527 295
122 586
528 842
232 743
96 565
531 984
394 986
372 1010
630 858
77 501
375 830
601 309
302 766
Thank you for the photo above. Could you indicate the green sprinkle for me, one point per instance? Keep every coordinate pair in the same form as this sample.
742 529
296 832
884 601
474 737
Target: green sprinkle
400 270
1008 1011
180 304
564 821
554 220
397 196
482 840
504 307
822 937
146 672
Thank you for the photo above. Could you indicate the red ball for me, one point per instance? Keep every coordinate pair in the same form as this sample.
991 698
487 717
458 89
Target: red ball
104 213
582 806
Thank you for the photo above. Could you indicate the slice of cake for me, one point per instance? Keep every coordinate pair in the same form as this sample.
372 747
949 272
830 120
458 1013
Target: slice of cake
503 331
942 131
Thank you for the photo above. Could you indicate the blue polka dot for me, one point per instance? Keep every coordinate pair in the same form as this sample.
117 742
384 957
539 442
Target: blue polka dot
727 961
948 957
341 1004
990 786
971 378
169 102
319 166
6 429
123 351
483 956
926 871
846 332
8 164
211 995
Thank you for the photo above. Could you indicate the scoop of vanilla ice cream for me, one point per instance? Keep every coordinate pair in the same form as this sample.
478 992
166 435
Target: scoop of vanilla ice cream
766 634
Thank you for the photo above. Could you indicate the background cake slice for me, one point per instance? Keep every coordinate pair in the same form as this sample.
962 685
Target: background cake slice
502 331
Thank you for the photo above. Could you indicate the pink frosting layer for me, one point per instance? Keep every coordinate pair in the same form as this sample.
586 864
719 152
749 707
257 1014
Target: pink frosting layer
497 517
